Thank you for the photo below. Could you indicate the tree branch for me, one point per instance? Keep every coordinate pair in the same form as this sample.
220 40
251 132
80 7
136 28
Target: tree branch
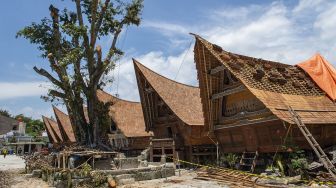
57 94
85 37
100 19
93 23
57 35
46 74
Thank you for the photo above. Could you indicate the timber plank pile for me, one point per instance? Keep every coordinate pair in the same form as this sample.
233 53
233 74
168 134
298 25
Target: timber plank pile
231 178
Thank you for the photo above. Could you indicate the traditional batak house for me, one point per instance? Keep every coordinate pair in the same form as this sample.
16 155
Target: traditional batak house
127 131
53 131
65 126
173 112
246 101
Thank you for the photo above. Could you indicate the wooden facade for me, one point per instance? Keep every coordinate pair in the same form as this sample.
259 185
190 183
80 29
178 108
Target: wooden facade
173 112
245 102
127 132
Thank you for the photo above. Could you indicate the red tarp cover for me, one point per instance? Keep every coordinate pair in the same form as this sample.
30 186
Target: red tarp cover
322 72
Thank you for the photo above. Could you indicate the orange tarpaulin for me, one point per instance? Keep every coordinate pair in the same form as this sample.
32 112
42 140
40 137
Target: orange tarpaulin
322 72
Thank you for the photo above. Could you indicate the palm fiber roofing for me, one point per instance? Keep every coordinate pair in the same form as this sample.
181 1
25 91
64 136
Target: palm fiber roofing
49 124
183 100
127 115
322 72
275 84
65 124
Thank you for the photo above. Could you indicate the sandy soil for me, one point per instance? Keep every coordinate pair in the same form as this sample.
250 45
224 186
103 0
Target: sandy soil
184 180
11 162
12 174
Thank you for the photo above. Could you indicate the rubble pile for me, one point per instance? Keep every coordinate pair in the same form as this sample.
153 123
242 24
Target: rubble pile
39 161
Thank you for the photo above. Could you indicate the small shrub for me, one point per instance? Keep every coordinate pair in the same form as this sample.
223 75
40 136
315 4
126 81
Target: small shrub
230 158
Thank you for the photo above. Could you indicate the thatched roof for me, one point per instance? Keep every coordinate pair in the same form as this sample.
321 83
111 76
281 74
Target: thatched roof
65 125
275 84
127 115
7 124
50 131
183 100
53 130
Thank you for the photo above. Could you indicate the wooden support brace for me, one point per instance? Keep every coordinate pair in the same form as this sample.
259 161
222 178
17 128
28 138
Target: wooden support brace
217 69
228 92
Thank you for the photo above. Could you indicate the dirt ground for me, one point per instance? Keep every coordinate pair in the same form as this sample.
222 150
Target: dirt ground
184 179
12 174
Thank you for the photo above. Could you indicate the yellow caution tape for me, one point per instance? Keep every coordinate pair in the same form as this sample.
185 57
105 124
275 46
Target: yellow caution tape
242 172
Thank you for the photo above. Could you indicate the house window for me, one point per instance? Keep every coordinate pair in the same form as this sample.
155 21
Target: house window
170 132
113 126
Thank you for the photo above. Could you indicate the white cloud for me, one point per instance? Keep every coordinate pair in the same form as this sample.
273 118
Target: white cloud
166 28
274 31
326 23
307 5
169 66
21 89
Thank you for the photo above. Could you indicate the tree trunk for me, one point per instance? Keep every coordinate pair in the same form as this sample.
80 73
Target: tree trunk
92 102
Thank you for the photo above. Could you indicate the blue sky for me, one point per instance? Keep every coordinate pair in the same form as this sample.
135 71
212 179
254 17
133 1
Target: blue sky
285 31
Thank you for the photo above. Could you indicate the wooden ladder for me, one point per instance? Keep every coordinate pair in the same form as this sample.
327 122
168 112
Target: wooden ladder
313 144
248 161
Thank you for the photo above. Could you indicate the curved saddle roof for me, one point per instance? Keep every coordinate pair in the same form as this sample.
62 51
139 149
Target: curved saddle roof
65 124
183 100
52 129
127 115
275 84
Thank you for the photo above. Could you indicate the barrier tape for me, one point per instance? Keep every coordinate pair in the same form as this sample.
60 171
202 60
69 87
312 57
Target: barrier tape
329 183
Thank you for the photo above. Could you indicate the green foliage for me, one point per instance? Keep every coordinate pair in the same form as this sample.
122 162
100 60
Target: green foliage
12 140
34 127
298 162
86 169
69 39
230 158
5 113
280 166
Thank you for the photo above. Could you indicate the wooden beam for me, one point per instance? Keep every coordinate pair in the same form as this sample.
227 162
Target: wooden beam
217 69
149 90
228 92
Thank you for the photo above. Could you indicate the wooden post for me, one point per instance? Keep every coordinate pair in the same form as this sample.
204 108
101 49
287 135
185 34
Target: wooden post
217 152
151 150
58 161
93 161
174 154
63 156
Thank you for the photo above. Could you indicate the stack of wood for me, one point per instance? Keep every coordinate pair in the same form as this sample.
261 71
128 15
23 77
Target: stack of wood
227 177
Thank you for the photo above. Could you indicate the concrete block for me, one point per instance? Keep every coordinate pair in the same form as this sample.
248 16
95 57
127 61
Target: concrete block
37 173
167 172
28 175
126 181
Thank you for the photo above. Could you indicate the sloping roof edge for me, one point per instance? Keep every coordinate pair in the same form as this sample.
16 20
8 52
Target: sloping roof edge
65 124
130 122
49 130
182 99
310 114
